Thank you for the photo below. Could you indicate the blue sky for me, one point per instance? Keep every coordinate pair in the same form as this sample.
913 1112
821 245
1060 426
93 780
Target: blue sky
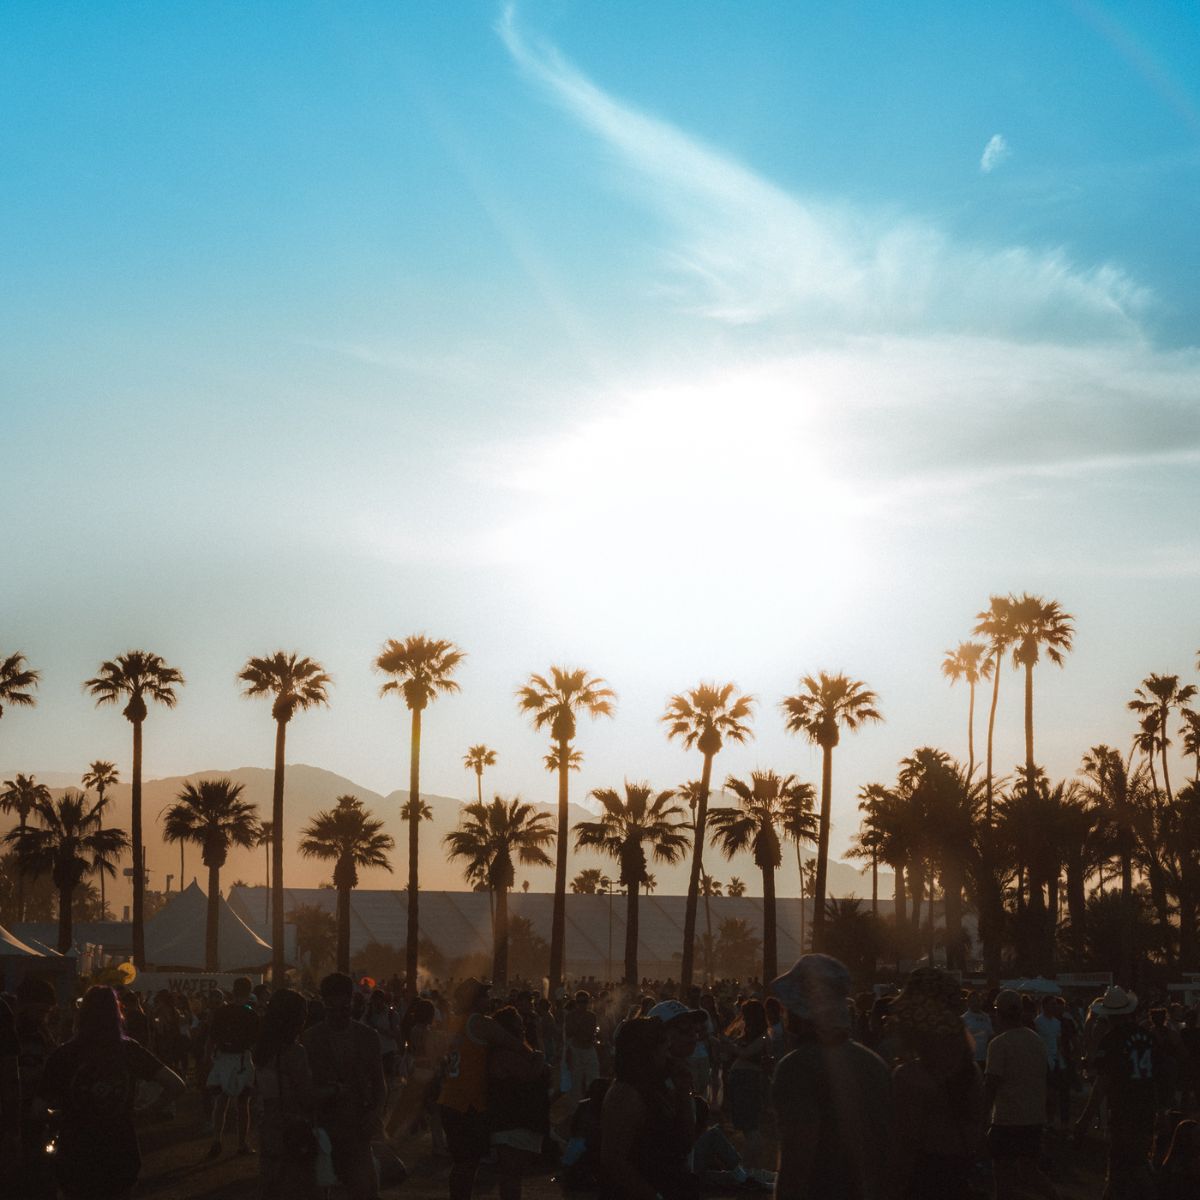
678 340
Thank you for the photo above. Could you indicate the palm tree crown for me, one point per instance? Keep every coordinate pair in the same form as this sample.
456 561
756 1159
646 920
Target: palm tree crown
297 683
421 668
211 814
476 759
136 675
1154 701
970 662
21 795
348 836
100 776
17 682
626 826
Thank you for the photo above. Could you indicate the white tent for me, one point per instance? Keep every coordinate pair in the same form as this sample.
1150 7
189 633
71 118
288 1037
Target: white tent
11 946
175 935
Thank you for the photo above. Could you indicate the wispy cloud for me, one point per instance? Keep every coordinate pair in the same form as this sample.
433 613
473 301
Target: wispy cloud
994 153
745 250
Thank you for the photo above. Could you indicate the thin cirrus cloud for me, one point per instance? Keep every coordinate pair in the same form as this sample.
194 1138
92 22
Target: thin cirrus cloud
994 153
745 251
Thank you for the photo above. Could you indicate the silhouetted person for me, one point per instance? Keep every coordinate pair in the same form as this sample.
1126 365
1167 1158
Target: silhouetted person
232 1035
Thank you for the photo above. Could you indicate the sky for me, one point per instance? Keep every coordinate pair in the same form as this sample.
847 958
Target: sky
685 341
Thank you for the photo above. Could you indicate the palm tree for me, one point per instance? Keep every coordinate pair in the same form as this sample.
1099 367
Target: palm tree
316 933
1189 731
1036 624
99 777
17 682
554 704
350 838
650 883
490 840
68 844
586 882
297 684
625 828
21 795
421 670
819 710
211 814
971 661
266 839
135 677
1155 700
870 842
737 888
704 717
765 801
475 759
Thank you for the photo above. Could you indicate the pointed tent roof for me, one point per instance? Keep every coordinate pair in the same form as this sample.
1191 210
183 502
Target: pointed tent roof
175 935
13 945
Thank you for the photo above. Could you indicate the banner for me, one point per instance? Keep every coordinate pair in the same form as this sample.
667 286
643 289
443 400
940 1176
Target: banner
190 983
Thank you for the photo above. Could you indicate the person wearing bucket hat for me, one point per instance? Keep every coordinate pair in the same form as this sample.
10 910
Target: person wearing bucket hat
831 1095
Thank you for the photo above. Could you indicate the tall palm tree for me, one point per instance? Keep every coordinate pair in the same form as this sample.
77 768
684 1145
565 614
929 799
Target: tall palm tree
17 682
824 706
625 828
421 670
21 795
349 837
475 759
704 717
971 662
135 677
884 837
1035 625
99 777
211 814
1155 700
68 843
296 685
555 704
266 839
765 801
490 840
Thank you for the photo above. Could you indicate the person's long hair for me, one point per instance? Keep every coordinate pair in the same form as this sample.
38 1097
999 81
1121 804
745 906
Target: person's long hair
634 1053
101 1021
751 1022
282 1024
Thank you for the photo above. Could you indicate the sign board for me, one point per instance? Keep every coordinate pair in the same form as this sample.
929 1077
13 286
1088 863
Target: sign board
1097 979
190 983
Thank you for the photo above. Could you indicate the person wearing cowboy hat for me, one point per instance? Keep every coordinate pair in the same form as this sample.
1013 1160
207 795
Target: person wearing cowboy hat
1126 1067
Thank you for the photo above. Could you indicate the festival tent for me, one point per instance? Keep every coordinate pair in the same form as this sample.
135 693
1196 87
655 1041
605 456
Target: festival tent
175 936
18 959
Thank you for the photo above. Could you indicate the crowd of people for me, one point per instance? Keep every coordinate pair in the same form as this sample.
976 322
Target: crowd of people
798 1088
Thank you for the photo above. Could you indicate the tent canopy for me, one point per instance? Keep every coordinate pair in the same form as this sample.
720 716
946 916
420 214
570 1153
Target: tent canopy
12 945
175 935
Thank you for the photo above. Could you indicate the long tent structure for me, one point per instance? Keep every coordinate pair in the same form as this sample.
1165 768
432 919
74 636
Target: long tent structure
175 936
18 959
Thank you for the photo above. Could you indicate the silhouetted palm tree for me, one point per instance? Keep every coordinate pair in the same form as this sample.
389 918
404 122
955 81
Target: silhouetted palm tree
475 759
490 840
766 801
1154 701
297 684
17 682
970 661
21 795
266 839
99 777
625 828
1189 731
211 814
586 882
824 705
1034 625
554 704
704 717
67 844
349 837
316 934
135 677
737 888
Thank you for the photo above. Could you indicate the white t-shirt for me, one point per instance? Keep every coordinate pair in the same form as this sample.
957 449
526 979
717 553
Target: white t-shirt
979 1026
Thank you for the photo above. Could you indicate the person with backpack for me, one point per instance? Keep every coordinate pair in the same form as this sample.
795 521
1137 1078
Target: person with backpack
92 1083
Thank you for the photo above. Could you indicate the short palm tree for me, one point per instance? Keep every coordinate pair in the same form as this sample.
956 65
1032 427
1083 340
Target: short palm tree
490 840
316 934
766 803
1154 701
737 887
21 795
135 677
824 706
970 662
586 882
99 777
704 717
17 682
349 837
1189 732
211 814
476 759
554 704
1035 625
421 670
627 826
266 839
295 684
68 843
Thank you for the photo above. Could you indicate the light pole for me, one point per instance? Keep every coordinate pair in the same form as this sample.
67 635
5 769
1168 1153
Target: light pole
169 878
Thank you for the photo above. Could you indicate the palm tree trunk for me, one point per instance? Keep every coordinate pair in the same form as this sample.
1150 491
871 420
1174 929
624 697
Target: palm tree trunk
100 829
343 930
874 884
800 868
818 922
770 953
693 893
211 929
479 786
1029 719
500 939
558 919
267 901
278 958
64 919
971 733
898 898
932 931
139 853
631 936
708 945
1076 905
1166 769
21 870
412 950
991 908
952 900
